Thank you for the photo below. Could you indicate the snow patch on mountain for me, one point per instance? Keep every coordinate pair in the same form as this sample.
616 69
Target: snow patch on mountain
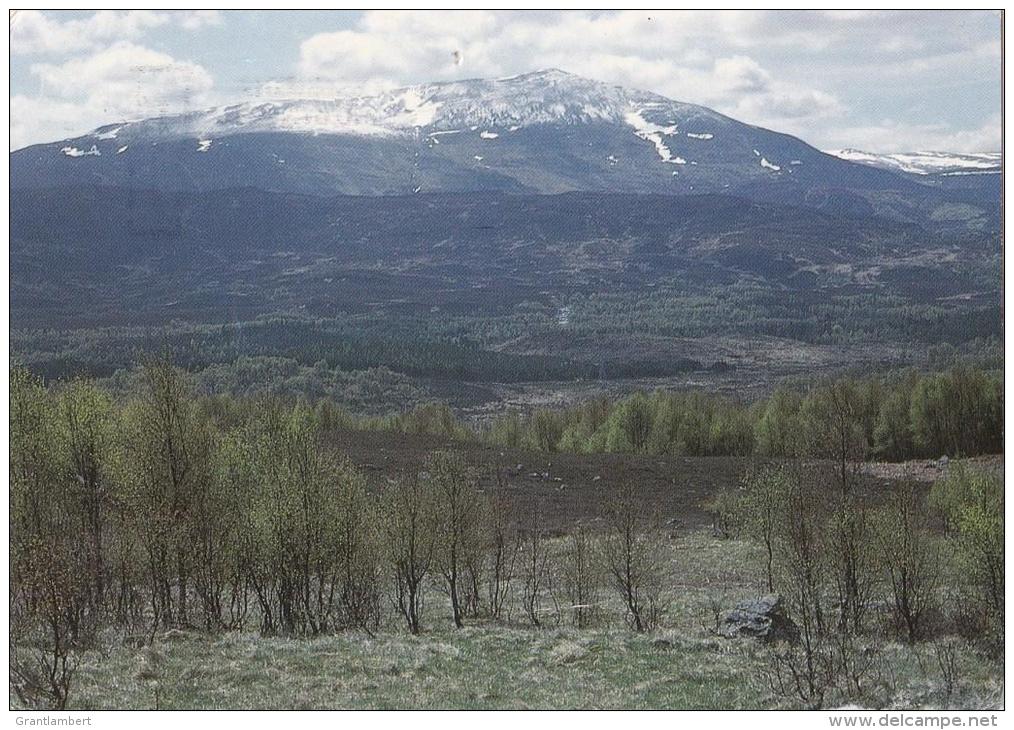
652 132
924 163
995 171
412 109
75 152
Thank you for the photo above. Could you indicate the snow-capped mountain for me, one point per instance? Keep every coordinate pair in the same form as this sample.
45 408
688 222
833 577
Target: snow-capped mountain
492 189
546 132
927 163
543 97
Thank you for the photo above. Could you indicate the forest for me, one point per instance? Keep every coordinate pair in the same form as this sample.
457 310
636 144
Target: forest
907 415
161 511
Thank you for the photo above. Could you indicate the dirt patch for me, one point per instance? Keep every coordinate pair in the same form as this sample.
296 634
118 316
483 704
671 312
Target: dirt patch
567 488
572 488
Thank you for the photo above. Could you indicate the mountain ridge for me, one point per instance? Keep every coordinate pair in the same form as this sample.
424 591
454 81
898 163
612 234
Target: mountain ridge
927 162
538 97
546 132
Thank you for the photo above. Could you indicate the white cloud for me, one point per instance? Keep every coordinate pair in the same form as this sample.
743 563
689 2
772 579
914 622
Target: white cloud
894 136
657 52
33 32
119 83
35 119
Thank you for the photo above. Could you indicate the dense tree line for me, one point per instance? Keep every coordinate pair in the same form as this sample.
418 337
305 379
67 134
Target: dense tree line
166 511
957 413
476 346
408 348
907 415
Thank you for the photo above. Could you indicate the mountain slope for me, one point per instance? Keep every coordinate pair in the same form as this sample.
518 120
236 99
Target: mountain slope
483 199
543 133
92 255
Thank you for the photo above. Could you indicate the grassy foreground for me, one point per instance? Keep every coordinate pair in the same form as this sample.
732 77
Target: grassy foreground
684 665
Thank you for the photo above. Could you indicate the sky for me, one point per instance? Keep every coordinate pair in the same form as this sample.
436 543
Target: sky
881 81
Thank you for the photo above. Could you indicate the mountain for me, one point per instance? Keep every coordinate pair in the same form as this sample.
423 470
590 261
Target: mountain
948 164
546 132
472 208
972 180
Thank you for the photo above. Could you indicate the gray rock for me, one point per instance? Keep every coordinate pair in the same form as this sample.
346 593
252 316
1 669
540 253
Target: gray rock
760 618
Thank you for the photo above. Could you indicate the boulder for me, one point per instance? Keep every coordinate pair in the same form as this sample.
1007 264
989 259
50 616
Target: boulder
760 618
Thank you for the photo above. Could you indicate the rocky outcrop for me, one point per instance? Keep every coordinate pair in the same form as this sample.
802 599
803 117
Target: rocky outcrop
760 618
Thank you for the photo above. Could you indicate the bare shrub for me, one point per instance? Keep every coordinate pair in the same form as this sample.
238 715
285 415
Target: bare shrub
819 667
971 502
52 605
535 565
804 672
911 560
44 625
634 553
313 563
851 547
503 548
168 463
457 502
760 506
579 576
88 429
945 652
835 430
410 538
357 554
858 664
727 512
823 568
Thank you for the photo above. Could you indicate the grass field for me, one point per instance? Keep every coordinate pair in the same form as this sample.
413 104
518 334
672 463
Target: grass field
513 665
